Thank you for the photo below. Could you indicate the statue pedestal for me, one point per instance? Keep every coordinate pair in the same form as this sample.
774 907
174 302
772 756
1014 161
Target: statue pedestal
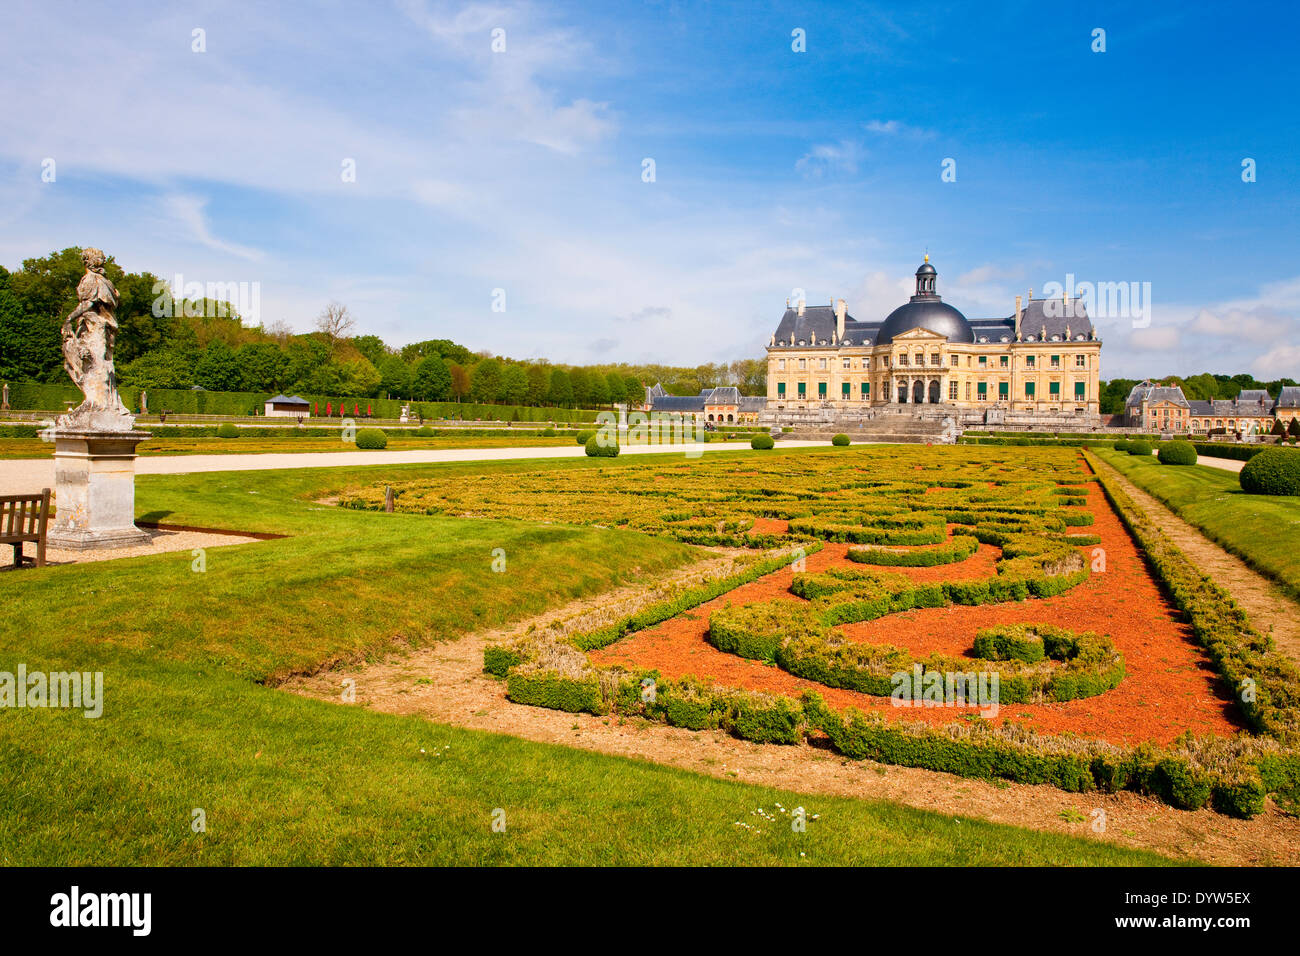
94 489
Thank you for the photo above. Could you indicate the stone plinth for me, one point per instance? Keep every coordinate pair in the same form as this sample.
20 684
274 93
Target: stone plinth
94 489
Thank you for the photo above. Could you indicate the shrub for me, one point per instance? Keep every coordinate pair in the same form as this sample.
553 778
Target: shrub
548 432
839 441
1122 444
762 442
227 430
584 436
598 449
425 431
1274 471
373 439
1139 448
1177 453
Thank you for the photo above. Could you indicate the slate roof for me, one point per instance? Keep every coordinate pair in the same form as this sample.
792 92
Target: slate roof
1290 396
1039 314
1147 392
288 400
1232 407
661 401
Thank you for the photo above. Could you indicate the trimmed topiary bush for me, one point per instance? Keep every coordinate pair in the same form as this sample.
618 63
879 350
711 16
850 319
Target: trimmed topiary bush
1122 444
372 439
584 436
598 449
1177 453
548 432
1274 471
762 442
1139 448
227 430
425 431
839 441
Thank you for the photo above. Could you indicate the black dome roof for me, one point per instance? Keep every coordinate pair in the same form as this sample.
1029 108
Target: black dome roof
926 312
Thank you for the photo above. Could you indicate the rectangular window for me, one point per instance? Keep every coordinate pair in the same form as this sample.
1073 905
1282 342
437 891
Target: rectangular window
1029 389
984 360
1004 389
1081 361
866 389
1056 361
902 359
821 363
952 391
780 365
968 391
1080 389
866 363
780 389
845 389
821 389
1054 389
803 389
982 391
803 364
1004 361
934 359
1029 361
848 363
954 361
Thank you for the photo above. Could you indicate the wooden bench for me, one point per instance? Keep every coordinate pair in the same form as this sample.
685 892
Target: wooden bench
25 518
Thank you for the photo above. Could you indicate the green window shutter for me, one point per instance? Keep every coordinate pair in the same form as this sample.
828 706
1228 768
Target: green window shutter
1004 389
821 389
780 389
983 388
984 360
803 389
1029 389
866 389
1080 389
845 389
1054 388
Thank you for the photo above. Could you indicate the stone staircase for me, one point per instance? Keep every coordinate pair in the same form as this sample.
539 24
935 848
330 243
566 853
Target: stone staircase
885 425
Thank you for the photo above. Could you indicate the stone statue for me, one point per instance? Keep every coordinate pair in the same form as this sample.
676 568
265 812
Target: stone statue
88 337
4 401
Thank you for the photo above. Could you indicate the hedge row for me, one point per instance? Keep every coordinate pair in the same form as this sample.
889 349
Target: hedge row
42 397
798 639
958 548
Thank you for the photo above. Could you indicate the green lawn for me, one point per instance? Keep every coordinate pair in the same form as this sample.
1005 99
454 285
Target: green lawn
1260 529
286 780
36 448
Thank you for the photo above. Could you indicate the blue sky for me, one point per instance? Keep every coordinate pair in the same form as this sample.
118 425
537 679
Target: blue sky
774 170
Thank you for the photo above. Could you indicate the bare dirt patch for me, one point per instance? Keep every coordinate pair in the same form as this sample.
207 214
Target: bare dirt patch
161 541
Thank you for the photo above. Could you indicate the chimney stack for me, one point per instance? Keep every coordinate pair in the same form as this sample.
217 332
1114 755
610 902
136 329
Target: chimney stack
1018 314
840 310
801 305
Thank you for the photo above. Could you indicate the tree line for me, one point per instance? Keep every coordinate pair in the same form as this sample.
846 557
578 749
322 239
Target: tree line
182 343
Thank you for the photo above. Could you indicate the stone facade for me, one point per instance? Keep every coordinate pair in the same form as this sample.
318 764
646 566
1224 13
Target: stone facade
1044 360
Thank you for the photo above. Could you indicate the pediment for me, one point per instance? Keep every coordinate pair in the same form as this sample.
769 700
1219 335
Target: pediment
919 335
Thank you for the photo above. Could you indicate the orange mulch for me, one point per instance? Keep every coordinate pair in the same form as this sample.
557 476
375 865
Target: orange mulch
1169 687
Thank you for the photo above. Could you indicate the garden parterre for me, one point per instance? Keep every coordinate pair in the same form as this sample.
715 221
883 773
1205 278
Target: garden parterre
1134 709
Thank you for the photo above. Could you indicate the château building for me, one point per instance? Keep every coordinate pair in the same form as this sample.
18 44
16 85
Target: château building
1045 358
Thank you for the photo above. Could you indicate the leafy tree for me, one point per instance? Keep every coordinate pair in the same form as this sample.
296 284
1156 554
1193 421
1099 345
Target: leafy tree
432 382
561 390
460 382
447 349
161 368
617 387
361 378
394 376
514 385
1293 430
599 390
485 384
539 384
218 369
372 347
633 390
263 365
580 383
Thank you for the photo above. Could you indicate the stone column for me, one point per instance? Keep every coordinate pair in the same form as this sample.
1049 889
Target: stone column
94 481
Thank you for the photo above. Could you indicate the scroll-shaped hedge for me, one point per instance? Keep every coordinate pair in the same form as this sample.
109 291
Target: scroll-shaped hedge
794 636
958 548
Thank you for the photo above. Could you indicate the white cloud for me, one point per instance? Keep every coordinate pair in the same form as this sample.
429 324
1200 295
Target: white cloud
831 158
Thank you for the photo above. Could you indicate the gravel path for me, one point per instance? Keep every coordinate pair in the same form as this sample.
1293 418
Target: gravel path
32 474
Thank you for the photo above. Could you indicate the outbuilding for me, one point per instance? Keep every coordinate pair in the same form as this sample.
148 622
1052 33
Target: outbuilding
287 406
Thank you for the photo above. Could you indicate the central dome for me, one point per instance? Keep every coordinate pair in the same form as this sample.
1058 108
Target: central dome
926 310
